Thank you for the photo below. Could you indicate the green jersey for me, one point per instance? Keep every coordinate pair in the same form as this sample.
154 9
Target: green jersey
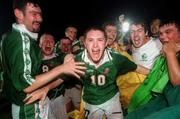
163 106
47 65
21 57
100 82
77 47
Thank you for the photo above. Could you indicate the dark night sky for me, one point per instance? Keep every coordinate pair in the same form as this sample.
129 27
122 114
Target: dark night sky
57 14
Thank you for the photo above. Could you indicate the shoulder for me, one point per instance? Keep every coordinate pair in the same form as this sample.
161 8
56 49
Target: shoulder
13 34
12 38
115 55
78 56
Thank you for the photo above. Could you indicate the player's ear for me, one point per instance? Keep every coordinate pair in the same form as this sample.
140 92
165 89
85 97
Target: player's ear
19 14
84 43
146 33
106 44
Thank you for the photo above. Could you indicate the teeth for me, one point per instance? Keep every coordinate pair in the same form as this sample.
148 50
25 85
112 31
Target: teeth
136 42
96 51
48 48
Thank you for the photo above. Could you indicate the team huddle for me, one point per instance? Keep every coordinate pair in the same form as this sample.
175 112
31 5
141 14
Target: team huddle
95 77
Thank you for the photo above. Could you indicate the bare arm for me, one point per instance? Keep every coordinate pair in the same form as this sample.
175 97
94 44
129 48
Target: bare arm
142 70
55 83
40 94
170 49
69 67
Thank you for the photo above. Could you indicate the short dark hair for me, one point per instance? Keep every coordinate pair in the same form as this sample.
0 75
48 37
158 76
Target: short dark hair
64 37
70 25
94 28
142 23
171 21
21 4
108 23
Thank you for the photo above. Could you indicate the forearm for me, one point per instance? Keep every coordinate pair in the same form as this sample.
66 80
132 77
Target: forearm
44 78
54 84
69 67
142 70
173 68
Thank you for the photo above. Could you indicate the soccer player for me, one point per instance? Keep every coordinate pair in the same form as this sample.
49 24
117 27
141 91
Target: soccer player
165 105
100 93
57 109
21 60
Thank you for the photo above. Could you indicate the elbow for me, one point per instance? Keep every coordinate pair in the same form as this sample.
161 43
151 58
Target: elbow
175 81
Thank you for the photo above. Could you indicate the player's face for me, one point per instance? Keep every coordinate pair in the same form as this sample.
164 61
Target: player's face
95 44
66 45
32 18
111 32
138 35
168 33
155 26
71 33
48 45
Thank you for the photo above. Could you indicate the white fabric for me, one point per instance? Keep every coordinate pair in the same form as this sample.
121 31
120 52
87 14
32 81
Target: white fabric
15 111
49 56
107 57
44 109
146 54
111 109
43 114
22 28
57 108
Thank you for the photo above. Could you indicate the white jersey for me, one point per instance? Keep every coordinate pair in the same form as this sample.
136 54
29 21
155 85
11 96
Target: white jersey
146 54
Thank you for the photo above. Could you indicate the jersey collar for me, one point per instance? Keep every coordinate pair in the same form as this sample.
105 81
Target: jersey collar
107 57
22 28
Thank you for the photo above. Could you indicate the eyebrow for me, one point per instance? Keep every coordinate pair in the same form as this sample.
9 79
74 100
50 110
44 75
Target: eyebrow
137 29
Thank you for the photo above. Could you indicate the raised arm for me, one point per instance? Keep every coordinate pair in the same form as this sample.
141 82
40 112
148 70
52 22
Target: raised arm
170 50
142 70
69 67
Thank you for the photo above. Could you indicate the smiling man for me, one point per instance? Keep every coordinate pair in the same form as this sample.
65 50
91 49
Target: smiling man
21 59
145 48
165 105
103 67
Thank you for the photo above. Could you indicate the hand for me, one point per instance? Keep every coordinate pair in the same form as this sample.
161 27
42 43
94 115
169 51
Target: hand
170 47
39 94
68 58
71 67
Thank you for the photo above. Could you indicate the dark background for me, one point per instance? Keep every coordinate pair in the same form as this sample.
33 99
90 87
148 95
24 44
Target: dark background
57 14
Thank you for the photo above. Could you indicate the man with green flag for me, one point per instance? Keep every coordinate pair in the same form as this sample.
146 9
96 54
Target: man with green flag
166 104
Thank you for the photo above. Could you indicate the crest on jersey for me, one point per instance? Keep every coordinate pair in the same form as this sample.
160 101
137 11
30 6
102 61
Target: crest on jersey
144 57
106 71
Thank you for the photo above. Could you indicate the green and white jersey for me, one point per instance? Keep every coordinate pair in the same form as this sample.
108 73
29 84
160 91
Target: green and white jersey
77 47
21 57
48 64
100 81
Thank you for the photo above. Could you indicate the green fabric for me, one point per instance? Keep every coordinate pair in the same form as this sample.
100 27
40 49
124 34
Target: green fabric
167 103
152 85
1 66
21 62
28 112
57 48
165 106
100 83
77 47
167 113
46 66
147 109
